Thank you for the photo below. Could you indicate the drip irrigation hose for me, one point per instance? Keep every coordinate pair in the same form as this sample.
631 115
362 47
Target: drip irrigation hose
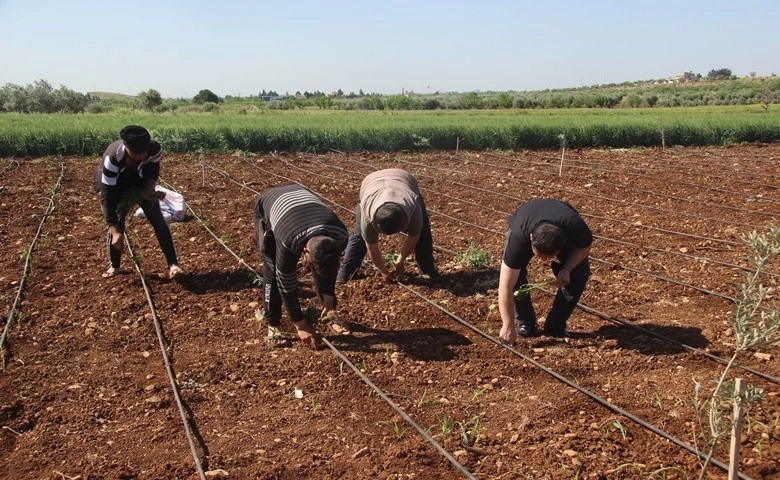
676 168
606 404
168 365
352 366
27 263
555 375
609 199
589 167
399 410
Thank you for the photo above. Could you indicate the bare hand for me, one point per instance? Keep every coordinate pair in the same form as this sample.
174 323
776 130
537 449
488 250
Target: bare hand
308 335
388 277
508 335
400 267
562 279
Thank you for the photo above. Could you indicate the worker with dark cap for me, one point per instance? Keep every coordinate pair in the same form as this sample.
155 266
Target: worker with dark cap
126 176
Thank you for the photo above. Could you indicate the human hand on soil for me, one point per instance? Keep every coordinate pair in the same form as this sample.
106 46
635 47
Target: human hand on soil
508 335
308 335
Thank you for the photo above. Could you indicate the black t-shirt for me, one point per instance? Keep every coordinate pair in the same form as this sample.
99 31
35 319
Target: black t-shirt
518 251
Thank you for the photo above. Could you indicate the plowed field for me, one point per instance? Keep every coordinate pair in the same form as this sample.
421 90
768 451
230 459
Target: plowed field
86 391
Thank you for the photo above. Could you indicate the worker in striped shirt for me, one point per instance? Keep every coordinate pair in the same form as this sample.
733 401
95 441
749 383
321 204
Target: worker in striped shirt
292 223
127 175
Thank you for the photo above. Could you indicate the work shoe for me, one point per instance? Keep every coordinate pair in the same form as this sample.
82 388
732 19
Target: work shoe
526 330
175 271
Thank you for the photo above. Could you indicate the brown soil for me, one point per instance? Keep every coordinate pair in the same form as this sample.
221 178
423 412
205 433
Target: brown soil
85 393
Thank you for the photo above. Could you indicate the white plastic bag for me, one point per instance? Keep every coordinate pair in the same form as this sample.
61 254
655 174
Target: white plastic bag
173 206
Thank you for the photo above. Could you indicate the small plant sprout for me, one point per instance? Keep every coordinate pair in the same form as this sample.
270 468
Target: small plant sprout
311 315
390 259
524 290
478 392
445 425
423 400
474 256
469 431
614 425
397 430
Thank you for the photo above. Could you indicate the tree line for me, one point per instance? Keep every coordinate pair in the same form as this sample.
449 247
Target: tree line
719 88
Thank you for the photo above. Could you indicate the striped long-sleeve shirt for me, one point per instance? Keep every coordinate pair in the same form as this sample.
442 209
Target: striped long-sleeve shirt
113 177
293 215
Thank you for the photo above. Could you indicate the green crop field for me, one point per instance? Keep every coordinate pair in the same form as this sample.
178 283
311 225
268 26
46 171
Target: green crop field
314 130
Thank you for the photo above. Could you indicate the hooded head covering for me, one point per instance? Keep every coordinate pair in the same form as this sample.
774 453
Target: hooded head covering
136 138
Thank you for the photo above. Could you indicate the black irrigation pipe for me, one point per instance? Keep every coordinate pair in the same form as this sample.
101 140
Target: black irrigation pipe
590 165
343 358
185 419
617 220
27 263
637 271
695 258
676 168
560 378
622 322
605 198
616 185
603 402
399 410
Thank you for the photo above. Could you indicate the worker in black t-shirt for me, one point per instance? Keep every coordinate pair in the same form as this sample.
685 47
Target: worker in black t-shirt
552 230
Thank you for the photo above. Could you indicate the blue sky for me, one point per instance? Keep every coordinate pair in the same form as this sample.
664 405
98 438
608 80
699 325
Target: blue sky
240 47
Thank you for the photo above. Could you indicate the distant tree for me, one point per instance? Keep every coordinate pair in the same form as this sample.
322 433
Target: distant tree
360 93
40 97
504 100
431 104
719 74
206 95
148 99
651 100
766 98
470 101
634 100
66 100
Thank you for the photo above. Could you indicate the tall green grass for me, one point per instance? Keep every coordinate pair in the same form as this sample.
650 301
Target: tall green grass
35 135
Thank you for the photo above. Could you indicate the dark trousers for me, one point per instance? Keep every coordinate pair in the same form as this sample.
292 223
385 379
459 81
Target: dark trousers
356 248
151 209
564 303
272 298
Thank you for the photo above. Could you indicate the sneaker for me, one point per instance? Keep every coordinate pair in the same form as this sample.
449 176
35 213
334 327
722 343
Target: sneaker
526 331
175 271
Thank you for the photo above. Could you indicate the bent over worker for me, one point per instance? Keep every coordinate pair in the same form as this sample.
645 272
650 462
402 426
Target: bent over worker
290 223
390 202
554 231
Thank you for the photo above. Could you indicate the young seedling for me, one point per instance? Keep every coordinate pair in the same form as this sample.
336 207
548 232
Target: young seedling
524 290
478 393
469 431
474 256
445 425
397 430
390 259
